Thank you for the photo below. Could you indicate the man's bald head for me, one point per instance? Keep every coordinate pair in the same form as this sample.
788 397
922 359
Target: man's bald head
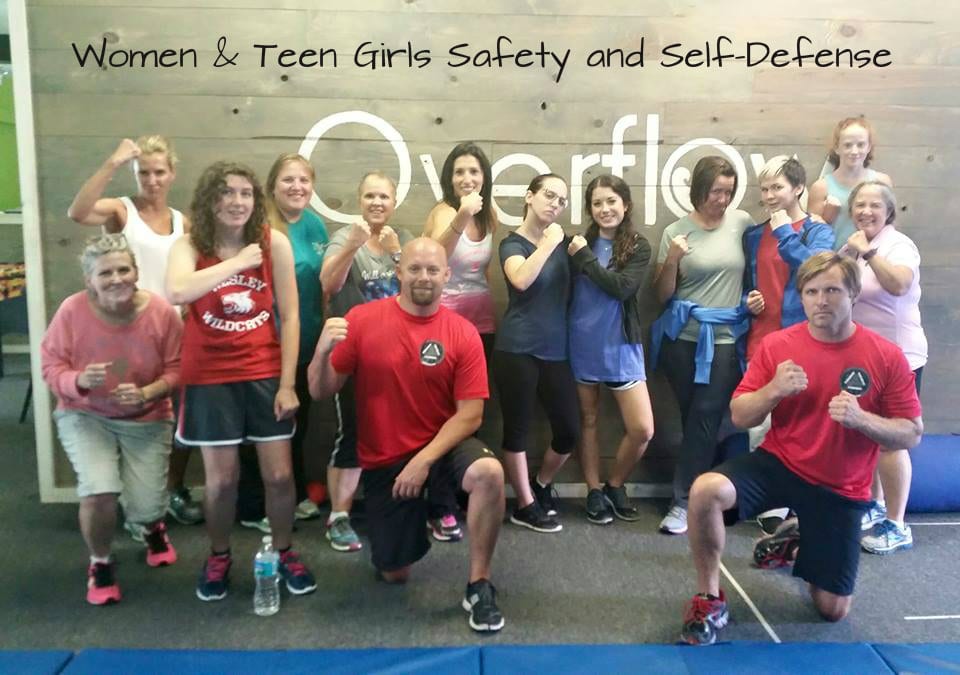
422 272
423 246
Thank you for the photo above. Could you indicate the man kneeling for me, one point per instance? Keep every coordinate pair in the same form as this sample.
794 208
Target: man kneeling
421 379
837 392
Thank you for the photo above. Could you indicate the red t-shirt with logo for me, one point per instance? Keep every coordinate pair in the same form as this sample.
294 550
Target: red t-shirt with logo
230 334
773 274
802 434
409 372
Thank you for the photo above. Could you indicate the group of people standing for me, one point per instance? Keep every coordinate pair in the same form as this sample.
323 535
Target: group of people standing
409 335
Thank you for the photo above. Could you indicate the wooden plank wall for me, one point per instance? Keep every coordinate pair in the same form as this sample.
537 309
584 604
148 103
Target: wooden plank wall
253 113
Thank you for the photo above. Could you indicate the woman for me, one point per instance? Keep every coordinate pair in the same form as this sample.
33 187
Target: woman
288 191
530 353
150 226
889 304
699 276
236 273
851 153
111 356
605 341
464 223
360 265
774 251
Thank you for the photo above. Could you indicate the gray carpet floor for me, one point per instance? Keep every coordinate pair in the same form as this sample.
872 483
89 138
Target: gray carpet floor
623 583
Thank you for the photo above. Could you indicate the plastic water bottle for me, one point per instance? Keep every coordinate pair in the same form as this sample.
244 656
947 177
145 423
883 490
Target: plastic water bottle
266 573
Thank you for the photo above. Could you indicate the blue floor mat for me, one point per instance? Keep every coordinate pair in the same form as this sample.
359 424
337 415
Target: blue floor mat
921 658
415 661
33 662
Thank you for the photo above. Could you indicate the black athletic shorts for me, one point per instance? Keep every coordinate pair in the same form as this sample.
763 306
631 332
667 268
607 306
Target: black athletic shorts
231 414
829 523
398 528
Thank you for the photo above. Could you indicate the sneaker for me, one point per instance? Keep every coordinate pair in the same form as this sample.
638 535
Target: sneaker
299 579
675 522
532 516
183 509
703 619
342 536
135 530
780 548
306 510
446 528
617 499
214 578
102 586
159 549
877 513
770 520
887 537
481 601
598 511
263 525
546 496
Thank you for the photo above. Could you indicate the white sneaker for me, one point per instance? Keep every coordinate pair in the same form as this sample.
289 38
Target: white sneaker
263 525
887 537
306 510
675 522
876 514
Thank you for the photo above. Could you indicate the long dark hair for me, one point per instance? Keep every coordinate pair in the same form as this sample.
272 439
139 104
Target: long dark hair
203 234
626 238
485 220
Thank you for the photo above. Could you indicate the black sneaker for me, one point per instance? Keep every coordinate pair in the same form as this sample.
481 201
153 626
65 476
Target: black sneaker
533 517
546 497
617 499
705 616
598 512
481 601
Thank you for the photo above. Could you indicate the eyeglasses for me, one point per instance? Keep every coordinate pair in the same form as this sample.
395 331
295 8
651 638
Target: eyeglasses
554 197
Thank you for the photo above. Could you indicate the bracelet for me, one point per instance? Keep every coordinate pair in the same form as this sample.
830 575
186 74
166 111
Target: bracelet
869 254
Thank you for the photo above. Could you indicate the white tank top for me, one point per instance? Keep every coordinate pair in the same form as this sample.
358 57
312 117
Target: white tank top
150 249
468 265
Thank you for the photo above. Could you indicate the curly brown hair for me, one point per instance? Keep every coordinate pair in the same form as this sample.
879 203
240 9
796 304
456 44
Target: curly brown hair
212 182
626 238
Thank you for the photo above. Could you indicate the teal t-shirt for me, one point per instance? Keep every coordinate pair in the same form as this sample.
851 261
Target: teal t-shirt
309 239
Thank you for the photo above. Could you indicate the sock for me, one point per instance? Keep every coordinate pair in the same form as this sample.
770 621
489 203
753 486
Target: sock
336 514
898 523
97 559
537 478
220 554
882 503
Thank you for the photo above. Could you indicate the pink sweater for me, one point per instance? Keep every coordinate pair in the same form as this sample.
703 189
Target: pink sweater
141 352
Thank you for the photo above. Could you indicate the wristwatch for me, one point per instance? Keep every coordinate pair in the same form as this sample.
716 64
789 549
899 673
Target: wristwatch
869 254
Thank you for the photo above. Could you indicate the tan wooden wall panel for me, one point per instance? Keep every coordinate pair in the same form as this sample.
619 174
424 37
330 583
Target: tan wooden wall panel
253 113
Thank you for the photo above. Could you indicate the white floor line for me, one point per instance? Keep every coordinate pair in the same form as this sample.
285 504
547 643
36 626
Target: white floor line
928 523
753 608
932 618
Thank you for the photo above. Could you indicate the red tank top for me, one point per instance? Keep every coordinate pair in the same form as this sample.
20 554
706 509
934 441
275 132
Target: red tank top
230 334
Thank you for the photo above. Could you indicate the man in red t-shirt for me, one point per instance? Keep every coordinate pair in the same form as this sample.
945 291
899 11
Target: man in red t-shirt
836 392
421 379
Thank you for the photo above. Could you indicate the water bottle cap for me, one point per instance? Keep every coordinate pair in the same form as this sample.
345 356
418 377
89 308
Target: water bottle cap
268 539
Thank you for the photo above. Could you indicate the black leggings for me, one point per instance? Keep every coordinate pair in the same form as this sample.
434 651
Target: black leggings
522 380
702 407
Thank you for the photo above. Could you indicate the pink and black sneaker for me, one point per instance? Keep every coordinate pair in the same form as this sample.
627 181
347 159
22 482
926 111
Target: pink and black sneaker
102 586
159 549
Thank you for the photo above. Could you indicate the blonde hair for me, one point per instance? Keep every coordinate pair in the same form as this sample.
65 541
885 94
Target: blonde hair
274 217
156 144
819 263
377 174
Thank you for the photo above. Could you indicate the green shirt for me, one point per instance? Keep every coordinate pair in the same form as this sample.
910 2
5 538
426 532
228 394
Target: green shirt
309 239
